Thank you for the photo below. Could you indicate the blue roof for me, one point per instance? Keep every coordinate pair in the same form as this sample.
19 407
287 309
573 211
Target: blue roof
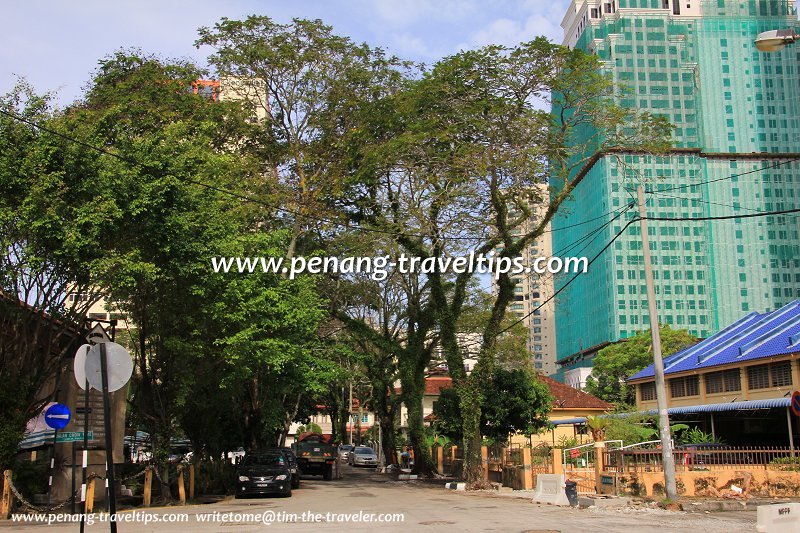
754 336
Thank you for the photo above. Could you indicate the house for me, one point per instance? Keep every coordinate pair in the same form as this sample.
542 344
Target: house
567 415
736 383
570 407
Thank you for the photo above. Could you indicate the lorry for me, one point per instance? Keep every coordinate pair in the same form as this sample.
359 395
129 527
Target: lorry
316 454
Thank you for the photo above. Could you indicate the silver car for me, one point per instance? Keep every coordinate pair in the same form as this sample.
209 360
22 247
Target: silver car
362 456
344 451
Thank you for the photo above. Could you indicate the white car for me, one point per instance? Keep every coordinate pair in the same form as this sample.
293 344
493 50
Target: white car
363 456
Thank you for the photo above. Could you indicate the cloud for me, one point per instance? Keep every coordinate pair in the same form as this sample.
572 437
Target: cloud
403 13
406 44
542 19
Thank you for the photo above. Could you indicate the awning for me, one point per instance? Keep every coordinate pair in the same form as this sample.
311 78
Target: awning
569 421
772 403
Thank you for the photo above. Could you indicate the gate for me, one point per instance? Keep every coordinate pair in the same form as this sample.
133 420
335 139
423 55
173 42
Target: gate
579 464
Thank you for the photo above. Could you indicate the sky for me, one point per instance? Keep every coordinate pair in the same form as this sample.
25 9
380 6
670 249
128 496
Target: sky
56 44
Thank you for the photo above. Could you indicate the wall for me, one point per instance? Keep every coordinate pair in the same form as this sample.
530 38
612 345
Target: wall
764 482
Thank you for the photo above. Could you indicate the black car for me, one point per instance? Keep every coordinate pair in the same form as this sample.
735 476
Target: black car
294 468
264 472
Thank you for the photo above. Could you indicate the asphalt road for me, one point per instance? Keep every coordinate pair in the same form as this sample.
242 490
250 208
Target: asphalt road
343 505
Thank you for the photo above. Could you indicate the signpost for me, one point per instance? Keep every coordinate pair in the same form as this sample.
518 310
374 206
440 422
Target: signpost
795 408
107 367
72 436
57 416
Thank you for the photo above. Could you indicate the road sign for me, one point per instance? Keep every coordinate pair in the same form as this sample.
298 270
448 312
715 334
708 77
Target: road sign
72 436
57 416
79 365
120 367
97 335
796 403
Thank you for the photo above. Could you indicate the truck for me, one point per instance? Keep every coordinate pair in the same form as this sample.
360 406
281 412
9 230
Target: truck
316 454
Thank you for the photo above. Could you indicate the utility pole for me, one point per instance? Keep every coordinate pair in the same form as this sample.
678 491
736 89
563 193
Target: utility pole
668 459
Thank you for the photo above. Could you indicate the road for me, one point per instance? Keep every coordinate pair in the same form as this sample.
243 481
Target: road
424 506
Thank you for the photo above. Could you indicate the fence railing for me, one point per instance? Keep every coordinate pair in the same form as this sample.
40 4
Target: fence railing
710 457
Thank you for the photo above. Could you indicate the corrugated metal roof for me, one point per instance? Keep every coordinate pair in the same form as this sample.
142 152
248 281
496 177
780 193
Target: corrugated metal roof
569 421
754 336
772 403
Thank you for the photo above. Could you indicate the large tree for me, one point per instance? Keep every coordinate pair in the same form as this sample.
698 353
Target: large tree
56 253
514 401
470 144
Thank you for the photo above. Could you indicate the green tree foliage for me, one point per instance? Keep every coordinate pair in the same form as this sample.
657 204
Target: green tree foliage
53 238
514 401
615 363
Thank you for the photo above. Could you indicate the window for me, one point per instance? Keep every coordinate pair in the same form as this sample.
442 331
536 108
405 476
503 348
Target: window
647 391
686 386
769 375
723 381
364 419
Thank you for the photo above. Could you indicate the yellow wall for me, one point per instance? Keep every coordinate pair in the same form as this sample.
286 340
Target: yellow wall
726 397
568 431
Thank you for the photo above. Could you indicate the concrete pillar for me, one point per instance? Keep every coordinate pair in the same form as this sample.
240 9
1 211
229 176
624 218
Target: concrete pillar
527 469
485 461
599 464
558 458
440 459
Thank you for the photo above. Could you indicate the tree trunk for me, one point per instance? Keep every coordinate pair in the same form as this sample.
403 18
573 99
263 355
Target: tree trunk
387 439
423 463
470 403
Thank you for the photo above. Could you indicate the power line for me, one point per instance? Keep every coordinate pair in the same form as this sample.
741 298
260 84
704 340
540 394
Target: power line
244 197
563 287
732 176
725 217
618 234
655 193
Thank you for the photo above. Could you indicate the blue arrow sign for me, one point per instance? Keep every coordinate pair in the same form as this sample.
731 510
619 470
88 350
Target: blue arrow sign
57 416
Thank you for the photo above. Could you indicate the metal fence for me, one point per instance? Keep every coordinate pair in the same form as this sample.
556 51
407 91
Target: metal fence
689 458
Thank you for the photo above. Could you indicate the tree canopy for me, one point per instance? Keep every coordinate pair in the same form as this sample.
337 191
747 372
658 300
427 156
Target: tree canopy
617 362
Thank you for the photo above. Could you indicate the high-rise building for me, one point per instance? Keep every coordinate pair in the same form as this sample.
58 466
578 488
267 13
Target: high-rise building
736 113
532 294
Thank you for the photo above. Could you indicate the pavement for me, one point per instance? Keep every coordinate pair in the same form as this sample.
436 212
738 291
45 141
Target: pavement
355 502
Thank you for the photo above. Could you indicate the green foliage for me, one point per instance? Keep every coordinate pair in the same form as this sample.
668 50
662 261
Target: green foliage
565 442
690 435
310 427
514 401
617 362
786 463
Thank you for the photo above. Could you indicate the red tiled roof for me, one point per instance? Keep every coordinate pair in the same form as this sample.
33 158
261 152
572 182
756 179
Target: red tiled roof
566 397
435 384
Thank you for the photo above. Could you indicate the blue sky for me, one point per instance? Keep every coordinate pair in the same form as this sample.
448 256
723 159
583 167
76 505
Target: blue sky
56 44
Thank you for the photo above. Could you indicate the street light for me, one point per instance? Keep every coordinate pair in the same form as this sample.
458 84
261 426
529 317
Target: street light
775 40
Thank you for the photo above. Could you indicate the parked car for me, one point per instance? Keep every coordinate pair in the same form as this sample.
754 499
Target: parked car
264 472
363 456
294 468
344 451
